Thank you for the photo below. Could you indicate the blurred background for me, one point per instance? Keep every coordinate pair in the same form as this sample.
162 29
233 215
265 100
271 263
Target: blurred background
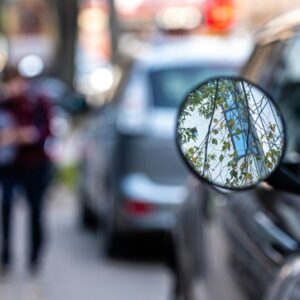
116 72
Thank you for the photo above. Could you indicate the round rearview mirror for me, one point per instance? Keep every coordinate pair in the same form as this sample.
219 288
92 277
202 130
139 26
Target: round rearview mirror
230 133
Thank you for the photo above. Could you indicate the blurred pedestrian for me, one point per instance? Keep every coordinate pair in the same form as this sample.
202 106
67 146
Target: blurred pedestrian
23 162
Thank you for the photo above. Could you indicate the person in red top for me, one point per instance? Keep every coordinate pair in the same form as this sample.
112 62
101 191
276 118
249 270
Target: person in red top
23 142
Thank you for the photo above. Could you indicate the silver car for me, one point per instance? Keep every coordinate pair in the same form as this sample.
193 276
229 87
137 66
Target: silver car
132 176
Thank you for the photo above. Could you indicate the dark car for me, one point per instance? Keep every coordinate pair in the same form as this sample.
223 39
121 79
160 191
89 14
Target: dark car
132 176
249 242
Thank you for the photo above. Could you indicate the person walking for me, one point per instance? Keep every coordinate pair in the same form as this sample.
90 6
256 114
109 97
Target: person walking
23 162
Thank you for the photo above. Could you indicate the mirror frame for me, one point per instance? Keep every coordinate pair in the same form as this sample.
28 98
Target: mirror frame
192 170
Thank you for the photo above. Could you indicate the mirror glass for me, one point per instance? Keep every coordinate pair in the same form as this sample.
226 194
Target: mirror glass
230 133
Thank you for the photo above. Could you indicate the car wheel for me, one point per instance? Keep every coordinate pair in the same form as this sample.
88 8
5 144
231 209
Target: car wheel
88 219
111 243
111 238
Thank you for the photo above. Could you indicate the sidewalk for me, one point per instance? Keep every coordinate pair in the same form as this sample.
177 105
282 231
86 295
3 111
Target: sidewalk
74 269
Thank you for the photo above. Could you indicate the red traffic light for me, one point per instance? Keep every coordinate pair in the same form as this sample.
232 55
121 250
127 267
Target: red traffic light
219 14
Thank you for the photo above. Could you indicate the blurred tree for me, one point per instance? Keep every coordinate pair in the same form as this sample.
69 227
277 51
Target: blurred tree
67 11
114 30
1 15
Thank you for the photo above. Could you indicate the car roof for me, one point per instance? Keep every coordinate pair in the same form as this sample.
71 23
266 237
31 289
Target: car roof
281 27
195 49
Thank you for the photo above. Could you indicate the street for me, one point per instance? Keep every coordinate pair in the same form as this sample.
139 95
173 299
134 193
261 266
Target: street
73 266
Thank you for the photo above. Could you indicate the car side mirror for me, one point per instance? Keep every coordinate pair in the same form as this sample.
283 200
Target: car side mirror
230 133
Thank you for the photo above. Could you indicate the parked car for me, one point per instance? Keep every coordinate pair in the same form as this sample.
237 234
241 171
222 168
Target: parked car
250 241
131 174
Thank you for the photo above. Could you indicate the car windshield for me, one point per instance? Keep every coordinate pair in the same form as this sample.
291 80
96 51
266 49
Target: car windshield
170 86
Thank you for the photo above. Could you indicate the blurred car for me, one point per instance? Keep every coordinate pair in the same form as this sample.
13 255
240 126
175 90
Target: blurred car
250 241
136 15
131 173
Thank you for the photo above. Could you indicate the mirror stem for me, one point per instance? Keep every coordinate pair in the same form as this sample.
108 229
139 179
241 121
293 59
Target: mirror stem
282 179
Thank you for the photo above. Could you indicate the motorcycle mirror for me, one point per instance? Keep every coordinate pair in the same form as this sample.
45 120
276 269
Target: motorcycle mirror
230 133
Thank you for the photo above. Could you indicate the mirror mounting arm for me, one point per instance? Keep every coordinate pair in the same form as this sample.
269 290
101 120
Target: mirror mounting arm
284 180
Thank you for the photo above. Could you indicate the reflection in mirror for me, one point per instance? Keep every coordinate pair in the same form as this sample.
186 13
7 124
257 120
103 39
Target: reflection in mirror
230 133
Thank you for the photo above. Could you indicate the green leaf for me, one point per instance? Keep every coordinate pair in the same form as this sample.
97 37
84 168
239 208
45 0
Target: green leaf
221 158
243 166
233 173
272 126
231 123
269 165
214 141
212 156
191 151
226 146
248 176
